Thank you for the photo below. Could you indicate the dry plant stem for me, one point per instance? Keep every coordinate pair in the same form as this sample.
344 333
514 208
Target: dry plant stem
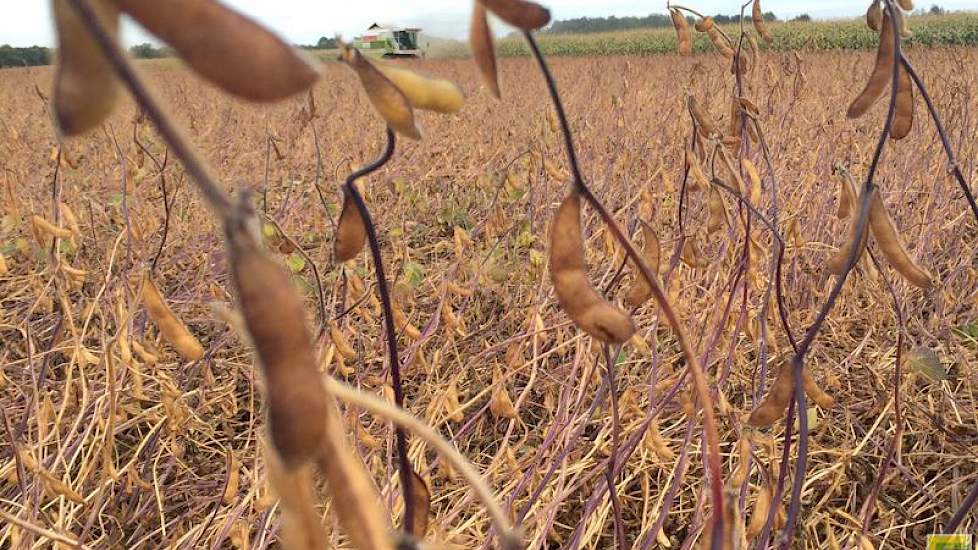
198 169
948 150
797 362
699 379
613 458
404 465
870 505
404 420
966 506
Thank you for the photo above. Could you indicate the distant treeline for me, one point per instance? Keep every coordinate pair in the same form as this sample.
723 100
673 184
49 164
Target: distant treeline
38 55
24 57
612 23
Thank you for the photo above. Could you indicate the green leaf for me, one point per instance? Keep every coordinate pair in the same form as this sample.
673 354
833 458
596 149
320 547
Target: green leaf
414 272
115 199
925 362
966 332
295 262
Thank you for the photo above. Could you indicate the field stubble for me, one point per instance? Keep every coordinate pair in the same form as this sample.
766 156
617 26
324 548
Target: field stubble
503 374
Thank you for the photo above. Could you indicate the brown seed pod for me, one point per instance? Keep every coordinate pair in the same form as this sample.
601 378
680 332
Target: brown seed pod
432 94
905 5
522 14
902 27
903 113
814 391
755 181
880 76
702 117
483 49
892 247
757 16
577 297
759 516
718 211
705 24
386 97
699 179
172 328
837 263
847 197
719 42
273 313
227 48
43 229
684 36
776 401
421 501
874 15
641 290
351 233
85 86
743 456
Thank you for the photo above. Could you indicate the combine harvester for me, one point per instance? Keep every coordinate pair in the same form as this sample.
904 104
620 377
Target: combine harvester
389 41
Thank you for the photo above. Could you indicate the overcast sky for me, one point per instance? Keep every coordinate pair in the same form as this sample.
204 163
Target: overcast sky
28 22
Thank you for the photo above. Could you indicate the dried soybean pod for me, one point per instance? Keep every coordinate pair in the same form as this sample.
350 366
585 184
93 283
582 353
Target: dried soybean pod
227 48
901 26
351 233
847 198
433 94
874 16
42 228
275 318
837 263
387 98
421 500
85 86
903 113
743 459
719 42
755 180
699 180
774 404
813 390
577 297
759 516
172 328
702 117
640 290
892 247
524 15
905 5
684 36
880 76
704 25
483 49
757 16
718 211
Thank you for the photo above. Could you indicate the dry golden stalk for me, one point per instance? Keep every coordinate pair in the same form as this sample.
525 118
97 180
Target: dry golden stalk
225 47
